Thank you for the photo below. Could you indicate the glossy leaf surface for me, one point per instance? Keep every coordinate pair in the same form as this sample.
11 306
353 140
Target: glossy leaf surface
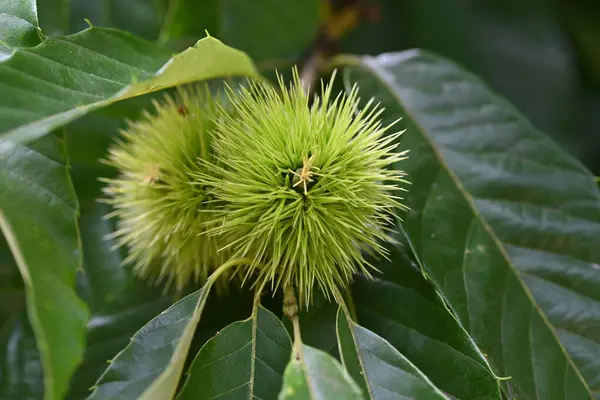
38 217
64 78
493 202
380 370
314 375
18 26
150 366
400 306
244 360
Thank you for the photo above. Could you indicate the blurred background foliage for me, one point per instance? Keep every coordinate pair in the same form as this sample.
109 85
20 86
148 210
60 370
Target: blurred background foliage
544 55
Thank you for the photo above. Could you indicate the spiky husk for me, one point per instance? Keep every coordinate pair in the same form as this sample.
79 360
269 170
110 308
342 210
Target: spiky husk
157 208
303 189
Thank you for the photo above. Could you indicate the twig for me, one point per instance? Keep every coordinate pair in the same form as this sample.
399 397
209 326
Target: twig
231 263
336 24
290 310
310 70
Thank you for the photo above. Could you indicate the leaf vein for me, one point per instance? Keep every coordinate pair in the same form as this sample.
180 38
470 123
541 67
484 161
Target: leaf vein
225 356
70 68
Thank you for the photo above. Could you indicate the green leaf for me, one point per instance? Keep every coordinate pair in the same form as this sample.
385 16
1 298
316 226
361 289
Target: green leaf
150 366
120 303
402 307
64 78
246 360
380 370
499 213
18 25
38 216
314 375
279 29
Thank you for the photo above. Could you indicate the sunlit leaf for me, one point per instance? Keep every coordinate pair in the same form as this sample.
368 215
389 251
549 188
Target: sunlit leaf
64 78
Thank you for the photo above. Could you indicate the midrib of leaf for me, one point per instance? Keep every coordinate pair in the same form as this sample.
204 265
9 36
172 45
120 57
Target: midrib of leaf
26 8
160 386
543 207
298 360
208 59
415 343
254 318
165 385
215 356
25 12
162 380
344 309
481 360
167 381
54 387
363 371
255 310
18 18
300 349
380 75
